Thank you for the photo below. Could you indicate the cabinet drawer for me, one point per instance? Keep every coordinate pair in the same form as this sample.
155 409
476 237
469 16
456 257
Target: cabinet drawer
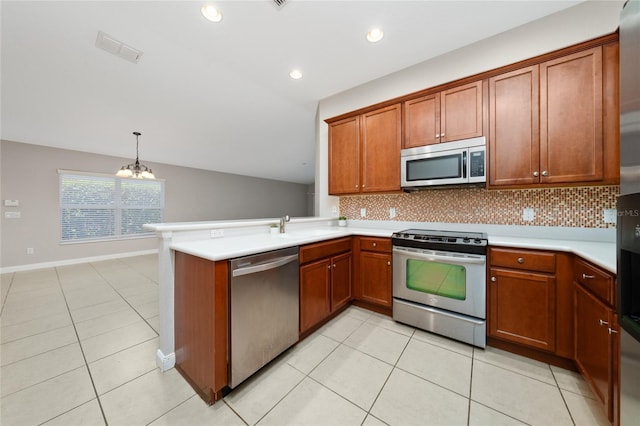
539 261
316 251
382 245
595 280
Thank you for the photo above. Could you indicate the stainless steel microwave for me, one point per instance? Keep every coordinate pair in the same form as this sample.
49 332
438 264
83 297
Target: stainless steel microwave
450 163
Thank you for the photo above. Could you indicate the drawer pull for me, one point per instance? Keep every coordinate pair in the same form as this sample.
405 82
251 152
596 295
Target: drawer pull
375 244
588 277
603 322
520 260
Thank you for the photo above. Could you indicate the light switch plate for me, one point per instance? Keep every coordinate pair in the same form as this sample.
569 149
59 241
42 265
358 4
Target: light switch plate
12 215
11 203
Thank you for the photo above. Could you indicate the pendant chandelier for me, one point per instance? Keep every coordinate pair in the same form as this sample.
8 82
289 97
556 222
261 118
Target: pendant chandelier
136 170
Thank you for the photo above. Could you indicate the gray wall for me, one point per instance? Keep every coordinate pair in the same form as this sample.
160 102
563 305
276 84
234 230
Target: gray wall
29 173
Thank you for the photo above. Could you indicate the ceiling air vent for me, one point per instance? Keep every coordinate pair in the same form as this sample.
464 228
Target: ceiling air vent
279 4
118 48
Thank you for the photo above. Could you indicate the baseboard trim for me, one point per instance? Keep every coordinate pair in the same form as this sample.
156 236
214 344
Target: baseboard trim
165 362
43 265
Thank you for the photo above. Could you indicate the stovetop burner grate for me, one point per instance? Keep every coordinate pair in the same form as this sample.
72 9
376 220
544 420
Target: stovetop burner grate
454 241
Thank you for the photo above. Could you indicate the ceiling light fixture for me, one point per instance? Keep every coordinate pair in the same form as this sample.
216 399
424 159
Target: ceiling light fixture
136 170
211 12
295 74
375 35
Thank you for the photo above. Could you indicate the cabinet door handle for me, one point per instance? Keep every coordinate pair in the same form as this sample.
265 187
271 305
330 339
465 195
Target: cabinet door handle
536 174
334 266
388 263
545 173
442 135
520 260
437 135
329 267
494 279
611 330
603 322
357 186
588 277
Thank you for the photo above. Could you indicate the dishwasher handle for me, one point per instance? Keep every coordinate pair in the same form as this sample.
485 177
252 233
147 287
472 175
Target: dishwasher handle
264 266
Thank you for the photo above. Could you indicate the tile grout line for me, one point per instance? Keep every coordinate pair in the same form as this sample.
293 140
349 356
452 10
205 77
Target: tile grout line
13 274
306 375
121 296
86 364
564 401
395 365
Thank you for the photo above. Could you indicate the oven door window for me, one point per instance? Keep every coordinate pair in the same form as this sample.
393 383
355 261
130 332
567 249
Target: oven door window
441 279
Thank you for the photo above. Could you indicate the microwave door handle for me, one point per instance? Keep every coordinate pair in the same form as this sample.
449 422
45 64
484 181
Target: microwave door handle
464 164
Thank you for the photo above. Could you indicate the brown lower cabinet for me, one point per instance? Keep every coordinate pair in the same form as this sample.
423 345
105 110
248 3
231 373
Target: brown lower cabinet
325 280
373 273
201 321
596 334
557 308
530 297
546 305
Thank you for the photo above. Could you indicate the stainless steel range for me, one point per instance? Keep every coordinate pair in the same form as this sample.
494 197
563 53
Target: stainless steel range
439 282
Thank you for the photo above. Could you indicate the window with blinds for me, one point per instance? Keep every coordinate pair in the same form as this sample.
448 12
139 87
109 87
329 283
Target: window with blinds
99 207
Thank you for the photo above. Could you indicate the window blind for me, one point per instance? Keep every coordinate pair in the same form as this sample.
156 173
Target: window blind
95 207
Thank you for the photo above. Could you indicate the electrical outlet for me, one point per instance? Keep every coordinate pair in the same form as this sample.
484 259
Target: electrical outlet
609 215
528 214
334 209
12 215
11 203
29 250
217 233
392 212
363 212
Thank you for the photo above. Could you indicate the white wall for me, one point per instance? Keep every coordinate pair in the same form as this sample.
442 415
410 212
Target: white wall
29 174
574 25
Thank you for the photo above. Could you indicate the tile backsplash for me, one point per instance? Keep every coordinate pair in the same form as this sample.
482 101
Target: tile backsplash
570 207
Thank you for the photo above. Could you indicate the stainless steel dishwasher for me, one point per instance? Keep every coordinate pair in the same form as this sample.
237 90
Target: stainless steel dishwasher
264 310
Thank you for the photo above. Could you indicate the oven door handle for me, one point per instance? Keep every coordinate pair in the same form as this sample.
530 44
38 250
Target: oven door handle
435 257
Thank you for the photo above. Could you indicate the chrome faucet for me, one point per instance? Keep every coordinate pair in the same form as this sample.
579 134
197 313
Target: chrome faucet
283 220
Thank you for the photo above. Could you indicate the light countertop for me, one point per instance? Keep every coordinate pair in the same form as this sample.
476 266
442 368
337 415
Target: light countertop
602 254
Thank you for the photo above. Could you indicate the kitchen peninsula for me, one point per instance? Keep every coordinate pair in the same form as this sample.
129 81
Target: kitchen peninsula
216 242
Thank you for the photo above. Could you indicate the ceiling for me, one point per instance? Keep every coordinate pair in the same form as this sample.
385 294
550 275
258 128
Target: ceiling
216 96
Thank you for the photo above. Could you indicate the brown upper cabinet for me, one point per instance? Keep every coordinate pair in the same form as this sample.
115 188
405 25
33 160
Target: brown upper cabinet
364 152
550 124
449 115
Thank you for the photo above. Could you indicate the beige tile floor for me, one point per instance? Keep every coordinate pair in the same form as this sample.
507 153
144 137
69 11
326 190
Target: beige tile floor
78 348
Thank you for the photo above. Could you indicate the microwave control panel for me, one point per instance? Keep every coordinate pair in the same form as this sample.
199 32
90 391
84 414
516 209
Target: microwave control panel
476 164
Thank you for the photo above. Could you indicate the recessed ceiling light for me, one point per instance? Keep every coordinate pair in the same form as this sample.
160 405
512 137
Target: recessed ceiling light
295 74
211 13
375 35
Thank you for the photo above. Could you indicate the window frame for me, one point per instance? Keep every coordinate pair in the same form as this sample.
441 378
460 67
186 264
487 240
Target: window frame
117 207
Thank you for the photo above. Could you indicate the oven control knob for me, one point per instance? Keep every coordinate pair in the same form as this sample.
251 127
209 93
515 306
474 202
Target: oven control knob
466 240
477 241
